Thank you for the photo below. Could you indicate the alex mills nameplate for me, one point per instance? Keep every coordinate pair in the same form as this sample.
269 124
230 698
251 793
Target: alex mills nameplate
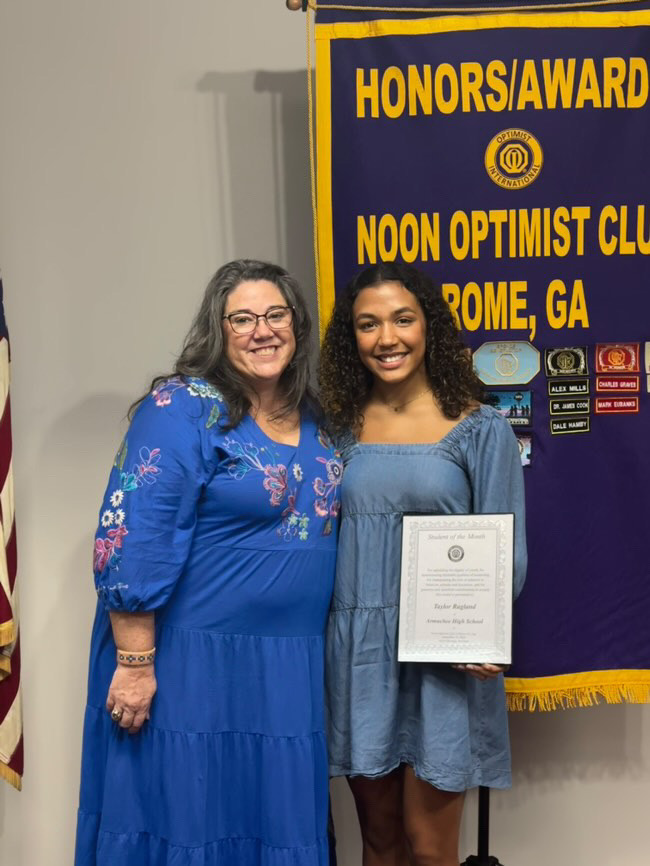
456 588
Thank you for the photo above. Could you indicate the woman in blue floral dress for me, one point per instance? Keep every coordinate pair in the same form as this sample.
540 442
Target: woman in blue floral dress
216 546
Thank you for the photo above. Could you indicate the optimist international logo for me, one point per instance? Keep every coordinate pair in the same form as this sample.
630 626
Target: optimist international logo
514 158
456 553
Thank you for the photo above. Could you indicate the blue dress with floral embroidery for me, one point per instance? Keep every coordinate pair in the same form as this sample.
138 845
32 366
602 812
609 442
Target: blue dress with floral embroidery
230 538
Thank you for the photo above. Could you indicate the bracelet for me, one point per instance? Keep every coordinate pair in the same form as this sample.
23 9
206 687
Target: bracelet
136 659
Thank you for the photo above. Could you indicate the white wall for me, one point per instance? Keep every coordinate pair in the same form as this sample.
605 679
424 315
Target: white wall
142 144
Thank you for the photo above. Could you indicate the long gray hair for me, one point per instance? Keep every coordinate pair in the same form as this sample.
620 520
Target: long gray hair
204 350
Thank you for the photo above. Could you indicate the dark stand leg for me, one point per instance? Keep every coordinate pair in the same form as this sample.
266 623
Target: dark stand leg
483 858
331 836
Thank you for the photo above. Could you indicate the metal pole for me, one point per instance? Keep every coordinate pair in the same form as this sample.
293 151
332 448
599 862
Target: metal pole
483 857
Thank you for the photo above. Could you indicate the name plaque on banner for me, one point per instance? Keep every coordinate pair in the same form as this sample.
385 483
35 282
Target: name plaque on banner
456 588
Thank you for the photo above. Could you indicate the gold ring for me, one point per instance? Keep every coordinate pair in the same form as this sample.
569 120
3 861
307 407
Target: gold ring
116 715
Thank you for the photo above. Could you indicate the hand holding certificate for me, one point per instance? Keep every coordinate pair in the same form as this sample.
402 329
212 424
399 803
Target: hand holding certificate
456 588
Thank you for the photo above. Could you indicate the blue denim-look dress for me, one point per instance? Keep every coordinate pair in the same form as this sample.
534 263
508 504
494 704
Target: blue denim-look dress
451 728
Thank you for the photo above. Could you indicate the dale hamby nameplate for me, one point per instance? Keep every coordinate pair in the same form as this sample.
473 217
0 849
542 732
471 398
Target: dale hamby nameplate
456 588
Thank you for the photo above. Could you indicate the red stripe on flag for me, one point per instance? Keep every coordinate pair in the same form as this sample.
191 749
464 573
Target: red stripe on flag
6 613
5 442
12 557
17 762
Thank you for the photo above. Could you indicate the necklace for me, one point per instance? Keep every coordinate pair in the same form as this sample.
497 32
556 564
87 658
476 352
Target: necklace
397 407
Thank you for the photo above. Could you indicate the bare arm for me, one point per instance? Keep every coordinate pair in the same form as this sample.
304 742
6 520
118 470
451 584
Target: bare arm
132 688
133 631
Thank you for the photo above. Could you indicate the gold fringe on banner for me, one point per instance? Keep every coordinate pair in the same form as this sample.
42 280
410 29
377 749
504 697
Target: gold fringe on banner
578 690
11 777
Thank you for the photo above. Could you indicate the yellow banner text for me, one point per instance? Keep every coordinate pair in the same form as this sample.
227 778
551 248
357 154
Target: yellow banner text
515 85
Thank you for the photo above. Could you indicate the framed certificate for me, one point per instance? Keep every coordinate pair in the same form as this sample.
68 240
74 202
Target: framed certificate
456 588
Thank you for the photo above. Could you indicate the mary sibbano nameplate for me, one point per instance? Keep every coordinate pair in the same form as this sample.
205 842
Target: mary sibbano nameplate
456 588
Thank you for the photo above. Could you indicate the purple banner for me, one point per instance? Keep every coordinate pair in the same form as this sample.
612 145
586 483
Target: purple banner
506 154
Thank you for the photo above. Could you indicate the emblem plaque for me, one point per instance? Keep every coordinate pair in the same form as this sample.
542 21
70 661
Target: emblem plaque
617 358
567 361
508 363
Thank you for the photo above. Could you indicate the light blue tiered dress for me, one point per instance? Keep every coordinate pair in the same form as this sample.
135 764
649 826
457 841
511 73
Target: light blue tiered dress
451 728
231 539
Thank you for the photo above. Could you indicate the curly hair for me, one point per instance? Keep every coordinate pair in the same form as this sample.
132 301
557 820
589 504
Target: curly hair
204 349
345 383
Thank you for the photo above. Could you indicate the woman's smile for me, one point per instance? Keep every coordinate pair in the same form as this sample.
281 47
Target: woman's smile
264 351
391 361
390 331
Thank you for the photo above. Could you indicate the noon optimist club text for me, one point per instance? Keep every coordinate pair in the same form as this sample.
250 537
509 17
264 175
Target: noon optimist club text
516 85
513 233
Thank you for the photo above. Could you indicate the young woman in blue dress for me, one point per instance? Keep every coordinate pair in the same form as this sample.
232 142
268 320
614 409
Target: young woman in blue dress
402 397
214 563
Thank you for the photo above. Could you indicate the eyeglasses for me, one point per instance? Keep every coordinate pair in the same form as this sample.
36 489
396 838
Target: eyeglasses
277 318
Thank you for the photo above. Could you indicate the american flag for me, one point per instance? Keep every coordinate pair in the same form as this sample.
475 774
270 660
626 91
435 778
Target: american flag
11 734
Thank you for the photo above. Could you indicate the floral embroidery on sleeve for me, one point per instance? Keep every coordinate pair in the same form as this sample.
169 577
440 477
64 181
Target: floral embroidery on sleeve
120 457
164 392
105 549
162 395
196 388
215 414
144 472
